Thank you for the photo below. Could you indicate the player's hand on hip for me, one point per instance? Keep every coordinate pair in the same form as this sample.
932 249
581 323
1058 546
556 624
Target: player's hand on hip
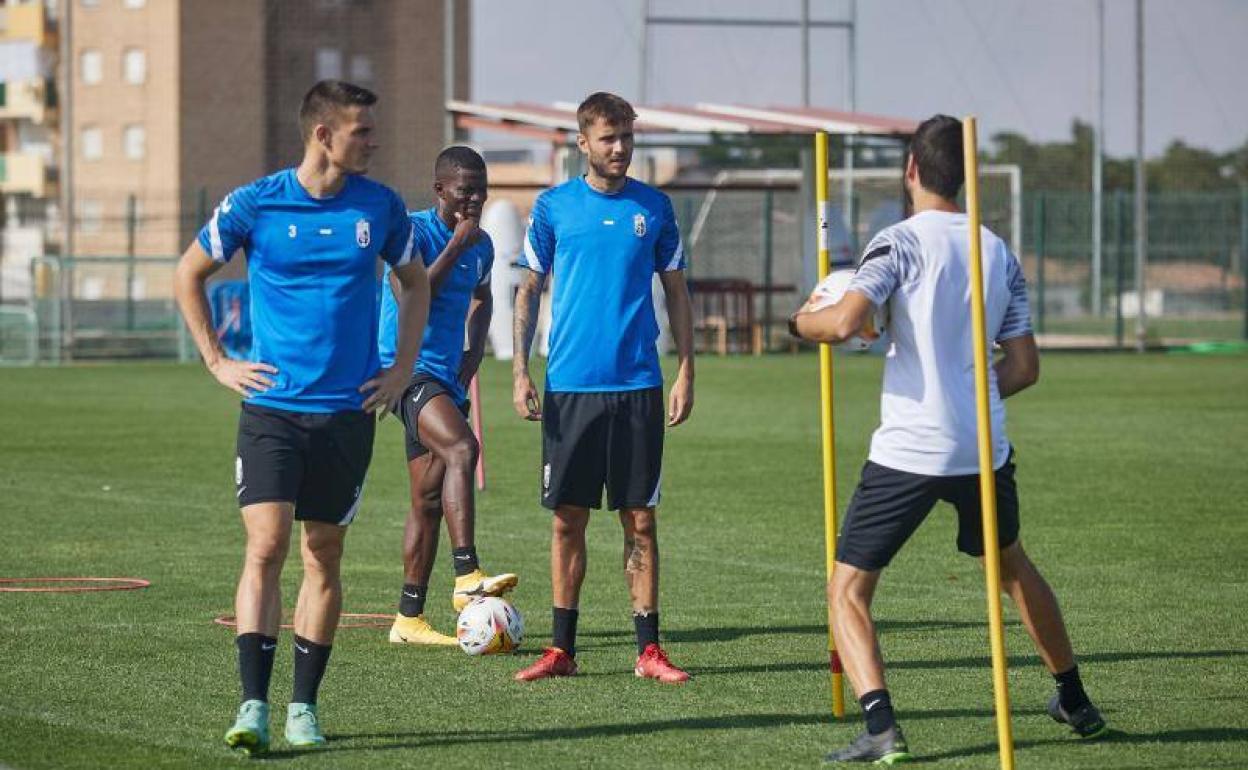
679 402
387 390
247 378
524 398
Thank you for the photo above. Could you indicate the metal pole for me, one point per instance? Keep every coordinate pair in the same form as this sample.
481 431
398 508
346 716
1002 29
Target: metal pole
1041 247
851 100
987 476
1098 153
448 69
643 40
131 223
66 104
1120 253
768 203
805 53
1141 191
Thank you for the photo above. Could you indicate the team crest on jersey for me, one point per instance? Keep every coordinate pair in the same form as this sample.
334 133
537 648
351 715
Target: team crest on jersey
363 236
639 225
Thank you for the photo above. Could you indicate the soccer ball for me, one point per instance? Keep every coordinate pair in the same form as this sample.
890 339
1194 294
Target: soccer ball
489 625
829 291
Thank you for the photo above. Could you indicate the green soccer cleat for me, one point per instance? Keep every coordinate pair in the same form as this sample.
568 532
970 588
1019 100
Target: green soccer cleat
302 727
250 733
1085 721
887 748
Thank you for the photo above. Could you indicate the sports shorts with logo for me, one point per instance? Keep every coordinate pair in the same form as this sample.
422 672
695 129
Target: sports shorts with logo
316 461
889 505
592 440
423 389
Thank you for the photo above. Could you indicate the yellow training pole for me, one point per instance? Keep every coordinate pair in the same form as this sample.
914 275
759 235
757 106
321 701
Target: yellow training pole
987 480
826 419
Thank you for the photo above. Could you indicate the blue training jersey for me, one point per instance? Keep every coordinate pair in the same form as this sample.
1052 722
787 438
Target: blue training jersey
312 273
443 347
604 249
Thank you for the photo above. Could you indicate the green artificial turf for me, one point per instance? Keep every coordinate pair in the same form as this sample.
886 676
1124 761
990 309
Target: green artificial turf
1133 479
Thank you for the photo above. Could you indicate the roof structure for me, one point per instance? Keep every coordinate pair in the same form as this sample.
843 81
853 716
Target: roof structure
557 122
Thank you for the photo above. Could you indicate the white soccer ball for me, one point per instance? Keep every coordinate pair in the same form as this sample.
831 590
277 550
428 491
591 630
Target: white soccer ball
829 291
489 625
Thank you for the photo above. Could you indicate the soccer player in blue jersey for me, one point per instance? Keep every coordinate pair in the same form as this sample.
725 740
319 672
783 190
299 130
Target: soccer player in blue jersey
441 450
603 236
312 236
925 449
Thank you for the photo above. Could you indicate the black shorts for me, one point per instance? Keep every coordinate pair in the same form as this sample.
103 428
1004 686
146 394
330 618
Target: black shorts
423 389
889 505
594 439
316 461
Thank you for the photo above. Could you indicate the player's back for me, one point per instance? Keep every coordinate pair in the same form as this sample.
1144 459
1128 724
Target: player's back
928 422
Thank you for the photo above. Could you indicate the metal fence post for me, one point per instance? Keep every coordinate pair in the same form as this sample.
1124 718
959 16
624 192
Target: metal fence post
768 203
131 223
1120 240
1243 247
1040 249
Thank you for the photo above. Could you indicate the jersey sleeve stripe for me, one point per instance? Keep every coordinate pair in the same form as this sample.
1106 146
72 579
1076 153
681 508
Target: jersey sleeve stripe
406 256
214 236
874 253
678 256
530 256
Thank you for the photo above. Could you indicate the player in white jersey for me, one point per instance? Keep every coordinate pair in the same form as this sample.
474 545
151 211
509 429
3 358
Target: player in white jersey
925 449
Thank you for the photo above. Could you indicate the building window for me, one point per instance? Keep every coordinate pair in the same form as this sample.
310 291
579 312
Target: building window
361 68
328 64
91 67
134 3
134 66
134 142
90 216
92 143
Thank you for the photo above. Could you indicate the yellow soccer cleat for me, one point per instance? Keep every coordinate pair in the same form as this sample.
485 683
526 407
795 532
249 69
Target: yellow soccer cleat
417 631
476 584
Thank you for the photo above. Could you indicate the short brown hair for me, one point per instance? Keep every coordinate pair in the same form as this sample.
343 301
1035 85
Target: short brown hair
611 108
326 98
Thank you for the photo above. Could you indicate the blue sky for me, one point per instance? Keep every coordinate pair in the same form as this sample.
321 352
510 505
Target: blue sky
1020 65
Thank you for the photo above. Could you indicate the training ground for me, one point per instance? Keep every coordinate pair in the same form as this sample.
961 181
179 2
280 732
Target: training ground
1133 481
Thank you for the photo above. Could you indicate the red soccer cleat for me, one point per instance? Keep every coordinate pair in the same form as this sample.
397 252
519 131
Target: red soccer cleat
653 664
554 662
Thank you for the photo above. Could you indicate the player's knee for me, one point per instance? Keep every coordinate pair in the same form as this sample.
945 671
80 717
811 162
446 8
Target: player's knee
568 527
429 505
322 553
265 553
463 453
644 526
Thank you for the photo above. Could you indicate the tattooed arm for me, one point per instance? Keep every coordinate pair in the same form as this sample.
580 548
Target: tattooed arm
528 300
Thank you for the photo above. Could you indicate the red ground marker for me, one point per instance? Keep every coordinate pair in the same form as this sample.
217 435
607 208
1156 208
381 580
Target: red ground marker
67 585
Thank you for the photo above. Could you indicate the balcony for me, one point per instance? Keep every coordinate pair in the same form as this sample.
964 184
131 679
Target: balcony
33 100
27 22
26 173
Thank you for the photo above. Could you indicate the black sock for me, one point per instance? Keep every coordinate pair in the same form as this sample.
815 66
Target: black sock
412 602
255 664
310 660
877 708
1070 692
647 626
565 630
465 560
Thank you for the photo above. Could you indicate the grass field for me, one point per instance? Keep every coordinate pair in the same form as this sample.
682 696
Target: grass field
1132 473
